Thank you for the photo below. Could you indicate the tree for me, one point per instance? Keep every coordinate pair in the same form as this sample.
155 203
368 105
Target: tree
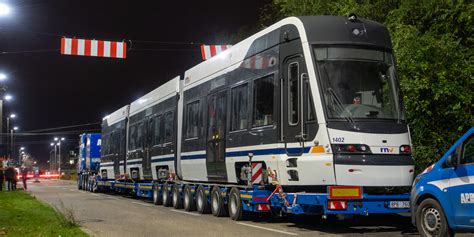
432 42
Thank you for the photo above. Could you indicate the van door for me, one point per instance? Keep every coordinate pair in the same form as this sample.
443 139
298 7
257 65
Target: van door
216 136
461 182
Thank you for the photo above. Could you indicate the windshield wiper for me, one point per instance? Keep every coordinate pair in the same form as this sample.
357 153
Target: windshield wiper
341 106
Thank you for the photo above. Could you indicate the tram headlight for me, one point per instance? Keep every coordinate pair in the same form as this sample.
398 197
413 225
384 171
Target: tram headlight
351 148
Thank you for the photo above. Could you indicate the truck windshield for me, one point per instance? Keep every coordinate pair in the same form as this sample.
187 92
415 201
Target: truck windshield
358 83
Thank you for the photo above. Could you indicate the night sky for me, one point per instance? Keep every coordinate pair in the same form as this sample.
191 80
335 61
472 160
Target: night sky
52 90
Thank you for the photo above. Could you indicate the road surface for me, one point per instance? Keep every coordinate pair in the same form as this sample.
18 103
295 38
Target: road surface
114 215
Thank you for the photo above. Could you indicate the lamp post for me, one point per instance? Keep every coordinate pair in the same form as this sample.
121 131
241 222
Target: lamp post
11 116
53 159
21 152
59 140
12 131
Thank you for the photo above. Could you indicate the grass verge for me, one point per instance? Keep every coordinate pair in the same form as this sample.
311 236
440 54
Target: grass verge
23 215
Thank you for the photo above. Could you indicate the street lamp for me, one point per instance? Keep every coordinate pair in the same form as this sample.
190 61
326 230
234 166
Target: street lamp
3 77
4 9
8 97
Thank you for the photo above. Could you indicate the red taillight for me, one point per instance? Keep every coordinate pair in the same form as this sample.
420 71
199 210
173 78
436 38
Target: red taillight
405 149
351 148
337 205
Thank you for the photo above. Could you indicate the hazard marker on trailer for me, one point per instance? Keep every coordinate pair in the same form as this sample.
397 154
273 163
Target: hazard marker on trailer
93 48
209 51
257 173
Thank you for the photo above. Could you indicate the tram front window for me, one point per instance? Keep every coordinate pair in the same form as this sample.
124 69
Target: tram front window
358 83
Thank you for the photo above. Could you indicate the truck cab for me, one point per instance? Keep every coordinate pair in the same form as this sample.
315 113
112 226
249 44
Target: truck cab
443 194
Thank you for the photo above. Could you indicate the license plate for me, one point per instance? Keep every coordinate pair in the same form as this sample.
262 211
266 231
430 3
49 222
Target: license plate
399 204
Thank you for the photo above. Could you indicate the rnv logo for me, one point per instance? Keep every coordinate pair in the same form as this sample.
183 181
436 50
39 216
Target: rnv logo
386 150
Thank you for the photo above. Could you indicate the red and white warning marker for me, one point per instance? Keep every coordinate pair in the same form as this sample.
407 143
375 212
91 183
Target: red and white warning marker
94 48
209 51
257 173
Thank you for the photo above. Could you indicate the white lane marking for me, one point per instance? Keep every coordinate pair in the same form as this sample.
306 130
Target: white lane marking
142 203
185 212
264 228
72 190
114 198
98 195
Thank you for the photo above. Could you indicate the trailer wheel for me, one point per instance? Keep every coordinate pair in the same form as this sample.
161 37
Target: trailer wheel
166 196
157 198
236 211
430 219
189 203
217 202
177 200
202 205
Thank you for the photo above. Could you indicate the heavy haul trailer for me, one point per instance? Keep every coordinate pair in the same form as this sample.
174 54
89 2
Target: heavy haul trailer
304 117
89 159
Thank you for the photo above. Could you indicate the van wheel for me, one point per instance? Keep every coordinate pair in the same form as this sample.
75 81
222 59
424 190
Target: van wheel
157 198
236 211
177 200
430 219
202 205
166 196
189 203
217 203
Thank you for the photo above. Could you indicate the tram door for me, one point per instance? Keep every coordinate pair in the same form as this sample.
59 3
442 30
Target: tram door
293 79
216 136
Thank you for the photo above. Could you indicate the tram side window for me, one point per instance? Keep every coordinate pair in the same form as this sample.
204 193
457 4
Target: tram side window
157 132
239 108
105 145
133 137
263 90
168 121
192 120
293 108
140 136
310 104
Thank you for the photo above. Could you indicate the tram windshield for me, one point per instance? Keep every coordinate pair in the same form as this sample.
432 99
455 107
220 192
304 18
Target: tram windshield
358 83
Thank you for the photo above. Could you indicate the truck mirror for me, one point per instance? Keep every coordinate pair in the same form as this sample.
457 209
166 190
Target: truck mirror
452 160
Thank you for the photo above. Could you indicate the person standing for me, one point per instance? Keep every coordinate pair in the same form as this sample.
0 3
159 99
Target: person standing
2 176
15 177
9 173
24 176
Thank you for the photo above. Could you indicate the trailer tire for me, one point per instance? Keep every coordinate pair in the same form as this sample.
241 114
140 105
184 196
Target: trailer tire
218 207
188 202
236 212
157 198
165 194
202 205
431 220
177 199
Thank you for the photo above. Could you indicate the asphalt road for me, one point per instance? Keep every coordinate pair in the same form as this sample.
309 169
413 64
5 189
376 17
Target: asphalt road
114 215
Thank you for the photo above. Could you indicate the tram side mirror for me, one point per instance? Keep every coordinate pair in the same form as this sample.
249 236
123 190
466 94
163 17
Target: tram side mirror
452 160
